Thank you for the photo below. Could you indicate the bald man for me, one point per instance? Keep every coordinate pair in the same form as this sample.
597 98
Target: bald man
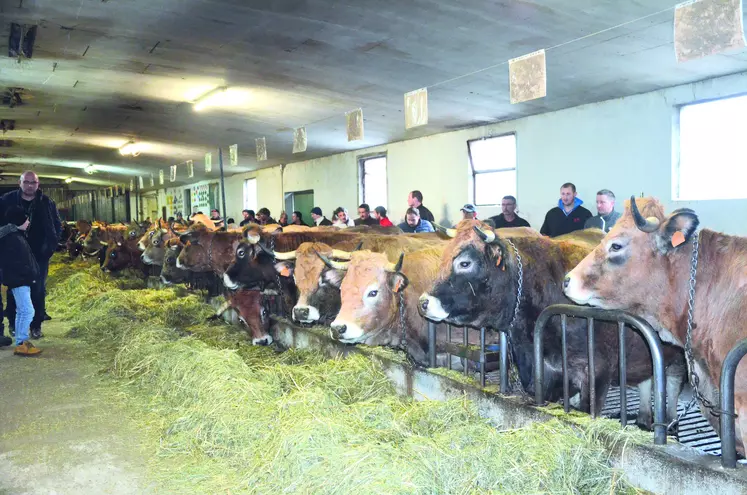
42 234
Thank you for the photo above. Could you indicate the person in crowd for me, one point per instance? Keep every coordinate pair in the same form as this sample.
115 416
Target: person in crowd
508 216
20 273
568 216
414 224
380 215
263 215
297 218
415 200
215 217
180 218
230 221
248 217
318 217
42 234
364 216
469 212
283 220
342 220
170 219
606 216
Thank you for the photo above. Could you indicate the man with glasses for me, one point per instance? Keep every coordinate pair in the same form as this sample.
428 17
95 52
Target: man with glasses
42 235
508 218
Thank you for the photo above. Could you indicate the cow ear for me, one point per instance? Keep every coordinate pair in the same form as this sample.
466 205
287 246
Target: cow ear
677 229
333 277
284 268
398 282
495 252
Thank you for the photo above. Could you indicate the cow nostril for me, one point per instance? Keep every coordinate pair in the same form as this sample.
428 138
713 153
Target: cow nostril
424 304
566 282
340 329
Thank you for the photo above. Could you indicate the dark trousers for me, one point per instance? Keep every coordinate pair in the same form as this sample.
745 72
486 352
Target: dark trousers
38 297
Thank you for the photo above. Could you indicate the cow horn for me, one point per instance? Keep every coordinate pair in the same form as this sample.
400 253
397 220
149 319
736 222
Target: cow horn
335 265
391 267
339 254
487 236
104 243
647 225
290 255
250 237
449 232
359 246
171 228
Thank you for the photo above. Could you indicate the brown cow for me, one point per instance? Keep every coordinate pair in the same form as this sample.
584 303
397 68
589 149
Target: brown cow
249 304
121 255
643 265
206 250
374 292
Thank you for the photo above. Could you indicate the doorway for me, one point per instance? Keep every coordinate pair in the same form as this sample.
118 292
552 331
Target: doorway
302 201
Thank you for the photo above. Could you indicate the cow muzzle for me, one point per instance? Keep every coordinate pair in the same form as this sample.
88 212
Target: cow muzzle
574 290
430 307
266 340
346 332
227 281
305 314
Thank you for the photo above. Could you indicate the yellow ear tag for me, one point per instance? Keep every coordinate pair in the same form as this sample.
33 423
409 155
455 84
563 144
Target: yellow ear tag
285 271
398 285
678 238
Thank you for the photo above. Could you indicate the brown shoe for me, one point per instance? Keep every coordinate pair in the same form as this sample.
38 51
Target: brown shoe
27 349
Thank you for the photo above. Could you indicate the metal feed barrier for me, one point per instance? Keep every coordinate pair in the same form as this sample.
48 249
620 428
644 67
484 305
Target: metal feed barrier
621 318
726 404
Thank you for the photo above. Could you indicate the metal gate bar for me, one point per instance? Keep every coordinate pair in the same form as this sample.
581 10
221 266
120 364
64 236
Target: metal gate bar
621 318
726 404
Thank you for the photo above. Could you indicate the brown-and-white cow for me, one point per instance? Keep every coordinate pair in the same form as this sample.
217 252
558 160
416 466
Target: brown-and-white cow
643 266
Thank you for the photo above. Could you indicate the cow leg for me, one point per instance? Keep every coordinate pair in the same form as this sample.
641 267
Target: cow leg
676 374
601 387
645 419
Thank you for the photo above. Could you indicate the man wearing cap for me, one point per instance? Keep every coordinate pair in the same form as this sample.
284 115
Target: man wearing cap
380 215
469 212
319 219
42 235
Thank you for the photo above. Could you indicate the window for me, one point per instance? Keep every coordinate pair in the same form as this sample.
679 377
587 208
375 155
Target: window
373 181
250 194
712 162
493 164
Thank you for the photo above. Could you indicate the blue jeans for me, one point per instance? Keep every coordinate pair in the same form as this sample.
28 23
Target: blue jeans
24 312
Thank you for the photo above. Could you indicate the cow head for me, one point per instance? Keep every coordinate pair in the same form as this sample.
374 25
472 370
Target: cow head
633 266
370 295
251 268
317 280
194 253
154 248
476 272
249 304
94 241
170 273
120 255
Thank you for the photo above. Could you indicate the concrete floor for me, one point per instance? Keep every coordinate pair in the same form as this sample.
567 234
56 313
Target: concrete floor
61 428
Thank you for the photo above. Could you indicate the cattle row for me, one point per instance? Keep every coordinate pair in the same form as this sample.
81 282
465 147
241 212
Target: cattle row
381 287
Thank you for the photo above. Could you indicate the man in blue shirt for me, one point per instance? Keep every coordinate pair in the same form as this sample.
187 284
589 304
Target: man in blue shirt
413 224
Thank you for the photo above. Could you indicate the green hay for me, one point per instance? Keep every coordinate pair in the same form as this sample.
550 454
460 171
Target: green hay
250 420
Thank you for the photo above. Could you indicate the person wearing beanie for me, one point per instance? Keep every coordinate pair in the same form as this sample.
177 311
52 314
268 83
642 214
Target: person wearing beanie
380 214
20 274
319 219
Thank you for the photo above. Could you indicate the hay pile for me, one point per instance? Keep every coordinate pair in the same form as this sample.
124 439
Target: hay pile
248 420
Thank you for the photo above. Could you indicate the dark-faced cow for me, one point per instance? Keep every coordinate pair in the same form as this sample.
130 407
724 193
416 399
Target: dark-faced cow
477 286
644 265
249 304
121 255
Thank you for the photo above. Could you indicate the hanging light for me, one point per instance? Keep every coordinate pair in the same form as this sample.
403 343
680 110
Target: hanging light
211 98
90 169
69 180
130 148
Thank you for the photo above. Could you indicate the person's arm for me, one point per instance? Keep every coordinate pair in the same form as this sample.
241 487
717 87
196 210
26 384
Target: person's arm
428 227
545 230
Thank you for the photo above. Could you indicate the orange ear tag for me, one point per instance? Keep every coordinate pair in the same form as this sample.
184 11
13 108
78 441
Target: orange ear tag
285 271
398 285
498 261
678 238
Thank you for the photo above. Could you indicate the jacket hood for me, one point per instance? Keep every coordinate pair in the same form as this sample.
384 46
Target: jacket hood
576 203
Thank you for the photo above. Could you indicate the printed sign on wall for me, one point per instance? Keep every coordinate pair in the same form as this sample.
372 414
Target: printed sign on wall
527 77
208 163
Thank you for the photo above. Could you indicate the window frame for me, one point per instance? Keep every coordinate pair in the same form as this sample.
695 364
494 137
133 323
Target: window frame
256 189
475 173
362 159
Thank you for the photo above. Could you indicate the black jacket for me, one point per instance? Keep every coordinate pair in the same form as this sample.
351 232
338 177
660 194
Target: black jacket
500 222
367 221
46 227
325 223
426 214
17 262
558 223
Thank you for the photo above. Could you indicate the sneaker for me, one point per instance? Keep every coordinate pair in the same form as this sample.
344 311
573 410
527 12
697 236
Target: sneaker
26 349
36 333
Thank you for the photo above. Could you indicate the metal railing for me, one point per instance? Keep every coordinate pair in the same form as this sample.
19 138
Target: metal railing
621 318
726 404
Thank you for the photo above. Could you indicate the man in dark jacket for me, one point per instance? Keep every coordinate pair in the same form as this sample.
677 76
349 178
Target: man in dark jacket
508 216
319 219
568 216
364 216
415 200
43 234
607 216
20 274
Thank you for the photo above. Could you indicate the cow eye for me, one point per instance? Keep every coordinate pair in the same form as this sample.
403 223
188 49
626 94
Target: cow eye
113 255
615 247
156 242
465 264
373 293
241 253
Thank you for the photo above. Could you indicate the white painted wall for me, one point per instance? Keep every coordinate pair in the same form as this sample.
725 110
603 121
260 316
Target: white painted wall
625 145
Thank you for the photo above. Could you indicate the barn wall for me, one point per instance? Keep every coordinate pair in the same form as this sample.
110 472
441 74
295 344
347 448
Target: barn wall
623 144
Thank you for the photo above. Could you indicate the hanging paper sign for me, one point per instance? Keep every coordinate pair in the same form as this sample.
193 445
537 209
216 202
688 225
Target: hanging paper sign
140 182
208 162
152 181
233 153
299 140
261 149
707 27
190 169
160 177
416 108
528 77
172 175
354 124
132 185
111 192
90 196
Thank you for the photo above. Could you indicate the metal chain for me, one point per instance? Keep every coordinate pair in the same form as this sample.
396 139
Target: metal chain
402 326
514 380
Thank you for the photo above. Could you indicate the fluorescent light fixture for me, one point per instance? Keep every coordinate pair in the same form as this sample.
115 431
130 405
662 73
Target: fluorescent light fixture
90 169
69 180
130 148
209 99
